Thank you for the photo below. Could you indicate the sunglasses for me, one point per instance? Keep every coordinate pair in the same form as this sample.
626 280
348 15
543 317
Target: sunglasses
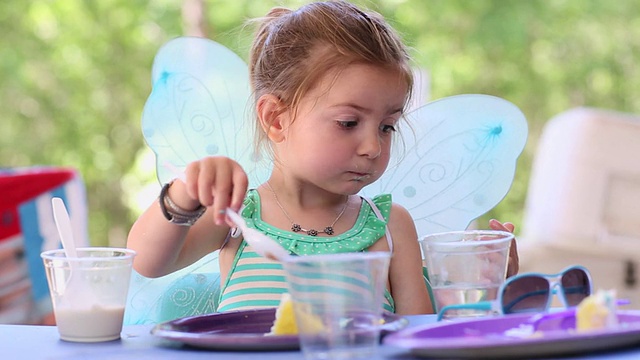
533 292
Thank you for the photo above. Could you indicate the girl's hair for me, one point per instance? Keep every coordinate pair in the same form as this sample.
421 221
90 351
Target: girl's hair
292 50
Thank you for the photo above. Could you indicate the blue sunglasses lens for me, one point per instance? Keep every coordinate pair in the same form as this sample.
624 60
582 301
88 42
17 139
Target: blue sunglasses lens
576 286
526 294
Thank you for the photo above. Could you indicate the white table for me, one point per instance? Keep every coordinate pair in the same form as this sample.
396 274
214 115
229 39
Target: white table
42 342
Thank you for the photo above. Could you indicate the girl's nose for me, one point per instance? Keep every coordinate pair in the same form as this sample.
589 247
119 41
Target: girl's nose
370 146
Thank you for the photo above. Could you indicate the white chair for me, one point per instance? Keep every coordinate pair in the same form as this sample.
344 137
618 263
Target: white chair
583 204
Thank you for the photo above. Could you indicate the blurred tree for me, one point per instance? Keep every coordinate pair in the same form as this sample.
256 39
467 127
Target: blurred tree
74 75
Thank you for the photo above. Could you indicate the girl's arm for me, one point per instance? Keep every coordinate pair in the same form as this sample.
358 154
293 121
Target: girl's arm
407 284
164 247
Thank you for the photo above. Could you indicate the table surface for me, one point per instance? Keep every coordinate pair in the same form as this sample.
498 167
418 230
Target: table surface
43 342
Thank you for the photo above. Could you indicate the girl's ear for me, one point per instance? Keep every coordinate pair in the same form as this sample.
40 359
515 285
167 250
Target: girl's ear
273 117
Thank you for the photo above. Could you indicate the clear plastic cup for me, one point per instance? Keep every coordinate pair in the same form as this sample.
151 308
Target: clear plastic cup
89 292
338 302
466 267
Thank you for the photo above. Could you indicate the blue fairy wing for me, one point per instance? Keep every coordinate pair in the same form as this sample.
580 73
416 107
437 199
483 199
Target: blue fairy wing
198 107
455 160
194 290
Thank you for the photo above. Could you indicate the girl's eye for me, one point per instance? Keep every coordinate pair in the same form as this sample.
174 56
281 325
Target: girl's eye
387 129
347 124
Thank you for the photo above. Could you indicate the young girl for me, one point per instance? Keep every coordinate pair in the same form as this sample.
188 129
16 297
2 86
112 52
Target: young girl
331 83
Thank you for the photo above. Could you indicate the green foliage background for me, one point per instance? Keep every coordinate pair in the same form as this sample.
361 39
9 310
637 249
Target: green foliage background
74 75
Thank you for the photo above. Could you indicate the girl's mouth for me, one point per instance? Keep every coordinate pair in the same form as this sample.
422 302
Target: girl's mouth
357 176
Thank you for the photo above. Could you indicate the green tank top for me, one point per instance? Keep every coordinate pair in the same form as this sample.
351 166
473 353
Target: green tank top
256 282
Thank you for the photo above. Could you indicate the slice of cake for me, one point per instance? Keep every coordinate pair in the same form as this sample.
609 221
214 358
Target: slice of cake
597 311
285 322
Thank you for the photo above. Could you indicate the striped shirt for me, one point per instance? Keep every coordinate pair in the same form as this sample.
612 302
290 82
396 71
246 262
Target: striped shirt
257 282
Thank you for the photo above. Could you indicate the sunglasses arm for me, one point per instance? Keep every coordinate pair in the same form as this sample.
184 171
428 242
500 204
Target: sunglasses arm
482 305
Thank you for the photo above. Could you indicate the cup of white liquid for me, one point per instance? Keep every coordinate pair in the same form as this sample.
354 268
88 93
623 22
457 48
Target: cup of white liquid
338 302
466 267
89 292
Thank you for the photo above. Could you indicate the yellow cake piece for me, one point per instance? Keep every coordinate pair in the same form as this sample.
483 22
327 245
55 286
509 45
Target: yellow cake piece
285 321
597 311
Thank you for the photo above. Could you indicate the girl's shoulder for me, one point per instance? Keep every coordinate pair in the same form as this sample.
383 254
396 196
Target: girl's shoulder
400 222
384 203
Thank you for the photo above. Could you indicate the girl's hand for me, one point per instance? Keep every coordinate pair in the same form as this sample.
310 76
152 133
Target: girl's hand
216 182
514 262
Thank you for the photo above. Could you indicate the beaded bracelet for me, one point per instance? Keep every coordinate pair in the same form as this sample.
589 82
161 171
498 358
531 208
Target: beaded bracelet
174 213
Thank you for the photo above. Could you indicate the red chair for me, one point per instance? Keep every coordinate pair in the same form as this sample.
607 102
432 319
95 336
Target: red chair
27 228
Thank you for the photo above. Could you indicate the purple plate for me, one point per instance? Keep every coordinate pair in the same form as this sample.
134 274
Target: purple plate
486 338
241 330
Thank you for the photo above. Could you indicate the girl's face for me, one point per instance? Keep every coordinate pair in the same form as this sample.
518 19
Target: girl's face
341 137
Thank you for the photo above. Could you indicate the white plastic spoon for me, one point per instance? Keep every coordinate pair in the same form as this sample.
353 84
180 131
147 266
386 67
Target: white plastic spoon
78 296
263 244
63 223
